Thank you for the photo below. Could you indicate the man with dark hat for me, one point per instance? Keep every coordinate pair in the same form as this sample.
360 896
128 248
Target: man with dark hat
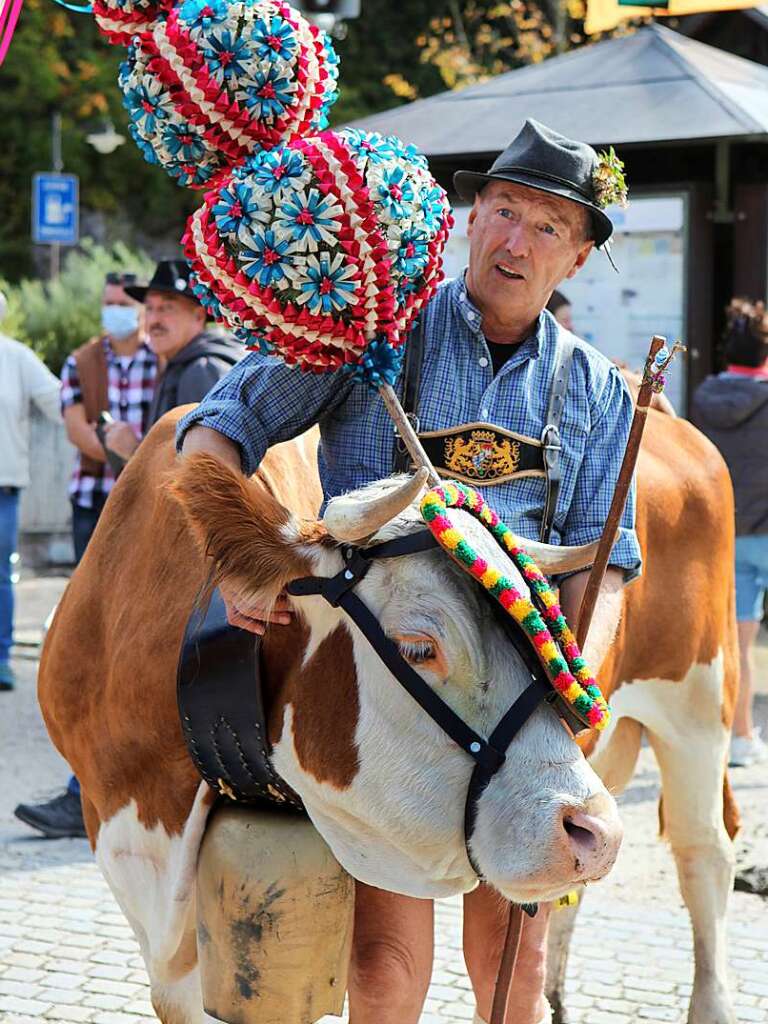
194 359
488 366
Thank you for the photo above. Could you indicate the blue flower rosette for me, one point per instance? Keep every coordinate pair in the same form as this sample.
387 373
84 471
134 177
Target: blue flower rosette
323 250
216 81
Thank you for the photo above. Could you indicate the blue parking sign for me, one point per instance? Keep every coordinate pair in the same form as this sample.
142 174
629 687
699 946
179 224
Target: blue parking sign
55 209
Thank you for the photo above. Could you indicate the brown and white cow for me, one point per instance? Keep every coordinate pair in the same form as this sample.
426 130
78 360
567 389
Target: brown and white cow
672 676
382 783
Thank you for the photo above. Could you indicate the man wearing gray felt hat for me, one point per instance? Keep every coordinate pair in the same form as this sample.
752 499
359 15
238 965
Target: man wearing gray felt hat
542 159
507 400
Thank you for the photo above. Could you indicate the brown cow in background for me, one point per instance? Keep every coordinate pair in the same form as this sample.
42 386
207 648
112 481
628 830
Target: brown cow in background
672 676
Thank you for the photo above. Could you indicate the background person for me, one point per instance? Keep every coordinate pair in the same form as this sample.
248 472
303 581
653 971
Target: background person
194 358
561 309
24 380
732 410
114 372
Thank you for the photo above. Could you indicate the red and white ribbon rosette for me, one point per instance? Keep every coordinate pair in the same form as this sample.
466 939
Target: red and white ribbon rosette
215 81
120 20
325 248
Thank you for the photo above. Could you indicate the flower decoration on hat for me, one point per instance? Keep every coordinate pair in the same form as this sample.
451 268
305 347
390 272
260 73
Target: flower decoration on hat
215 81
120 20
325 249
609 181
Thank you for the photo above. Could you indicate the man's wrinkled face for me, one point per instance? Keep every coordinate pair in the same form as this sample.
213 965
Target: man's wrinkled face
523 243
172 322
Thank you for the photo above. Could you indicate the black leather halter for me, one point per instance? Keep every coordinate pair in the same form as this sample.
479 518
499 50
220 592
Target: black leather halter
221 702
488 754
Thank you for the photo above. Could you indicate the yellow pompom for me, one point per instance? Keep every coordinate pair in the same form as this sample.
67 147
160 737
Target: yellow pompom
549 650
573 691
450 538
490 577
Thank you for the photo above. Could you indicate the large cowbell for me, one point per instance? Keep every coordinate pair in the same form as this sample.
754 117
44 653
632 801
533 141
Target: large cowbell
274 919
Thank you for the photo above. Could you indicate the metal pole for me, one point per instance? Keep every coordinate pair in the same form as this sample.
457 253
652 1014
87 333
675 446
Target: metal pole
57 165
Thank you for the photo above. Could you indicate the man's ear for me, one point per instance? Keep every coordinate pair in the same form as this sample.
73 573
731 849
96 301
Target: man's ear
581 258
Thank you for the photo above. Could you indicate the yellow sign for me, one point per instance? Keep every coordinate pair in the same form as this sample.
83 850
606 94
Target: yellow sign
604 15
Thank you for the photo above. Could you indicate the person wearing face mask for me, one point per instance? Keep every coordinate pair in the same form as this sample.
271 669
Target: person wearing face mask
114 372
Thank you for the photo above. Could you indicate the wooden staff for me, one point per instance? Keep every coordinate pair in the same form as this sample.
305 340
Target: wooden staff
515 923
652 381
651 377
407 433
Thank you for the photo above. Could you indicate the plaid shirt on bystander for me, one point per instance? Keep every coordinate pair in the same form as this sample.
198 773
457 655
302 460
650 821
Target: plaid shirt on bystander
130 385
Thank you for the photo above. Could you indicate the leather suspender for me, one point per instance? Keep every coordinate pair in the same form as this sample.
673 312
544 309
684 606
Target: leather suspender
414 357
550 435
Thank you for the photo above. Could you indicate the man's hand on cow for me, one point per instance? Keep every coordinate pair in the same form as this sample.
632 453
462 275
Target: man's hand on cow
247 614
120 438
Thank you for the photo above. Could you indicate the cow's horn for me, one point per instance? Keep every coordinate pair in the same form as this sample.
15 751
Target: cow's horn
554 558
350 519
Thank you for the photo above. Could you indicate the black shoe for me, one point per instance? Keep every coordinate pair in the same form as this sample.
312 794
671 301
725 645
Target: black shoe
6 676
60 818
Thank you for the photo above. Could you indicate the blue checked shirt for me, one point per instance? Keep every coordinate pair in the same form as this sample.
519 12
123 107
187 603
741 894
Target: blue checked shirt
262 401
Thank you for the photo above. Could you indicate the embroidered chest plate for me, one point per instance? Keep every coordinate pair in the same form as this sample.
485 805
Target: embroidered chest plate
480 453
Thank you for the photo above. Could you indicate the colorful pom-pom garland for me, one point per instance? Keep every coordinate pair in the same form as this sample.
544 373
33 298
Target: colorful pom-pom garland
216 80
552 639
326 248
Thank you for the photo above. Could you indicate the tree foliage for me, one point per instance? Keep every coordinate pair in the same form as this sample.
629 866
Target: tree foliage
54 317
393 53
58 62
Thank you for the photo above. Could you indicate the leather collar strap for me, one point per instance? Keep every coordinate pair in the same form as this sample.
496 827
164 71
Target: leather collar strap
337 591
488 755
550 436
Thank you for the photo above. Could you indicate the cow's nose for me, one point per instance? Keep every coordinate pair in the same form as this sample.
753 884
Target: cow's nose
594 834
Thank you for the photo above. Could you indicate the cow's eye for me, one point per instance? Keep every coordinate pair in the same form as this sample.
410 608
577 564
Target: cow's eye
417 650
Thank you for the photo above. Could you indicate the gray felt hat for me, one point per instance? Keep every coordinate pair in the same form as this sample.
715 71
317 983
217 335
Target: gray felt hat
541 158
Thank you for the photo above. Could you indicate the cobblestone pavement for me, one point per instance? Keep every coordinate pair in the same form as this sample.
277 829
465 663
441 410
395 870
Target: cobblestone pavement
66 953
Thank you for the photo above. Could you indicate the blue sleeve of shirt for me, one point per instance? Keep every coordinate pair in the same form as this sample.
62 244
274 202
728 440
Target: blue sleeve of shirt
597 478
262 401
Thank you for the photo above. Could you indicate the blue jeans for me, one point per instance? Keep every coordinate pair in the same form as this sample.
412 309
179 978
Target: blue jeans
83 524
751 576
9 536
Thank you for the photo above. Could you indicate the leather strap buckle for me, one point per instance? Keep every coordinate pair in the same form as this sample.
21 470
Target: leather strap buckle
550 439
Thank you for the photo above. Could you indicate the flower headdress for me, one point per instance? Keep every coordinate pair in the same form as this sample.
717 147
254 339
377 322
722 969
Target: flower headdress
216 81
323 249
608 180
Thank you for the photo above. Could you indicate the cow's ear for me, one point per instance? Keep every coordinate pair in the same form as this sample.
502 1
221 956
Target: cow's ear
253 540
